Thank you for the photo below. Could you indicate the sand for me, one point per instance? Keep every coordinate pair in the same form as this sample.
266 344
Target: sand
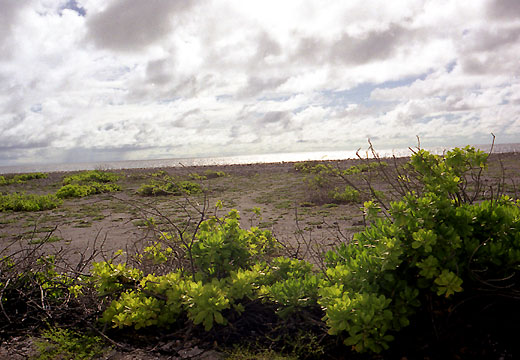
305 223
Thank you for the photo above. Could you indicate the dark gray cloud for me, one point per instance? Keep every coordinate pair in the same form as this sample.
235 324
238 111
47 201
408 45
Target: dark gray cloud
191 119
275 118
10 143
159 72
375 45
257 85
311 50
489 64
350 50
491 39
169 88
266 46
131 25
504 9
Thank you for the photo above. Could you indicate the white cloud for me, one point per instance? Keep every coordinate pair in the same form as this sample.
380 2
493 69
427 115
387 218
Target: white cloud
96 79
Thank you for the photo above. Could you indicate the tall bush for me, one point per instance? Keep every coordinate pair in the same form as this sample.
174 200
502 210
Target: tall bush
437 242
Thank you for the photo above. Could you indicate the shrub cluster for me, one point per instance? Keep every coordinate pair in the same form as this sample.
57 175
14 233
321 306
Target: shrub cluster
223 270
75 186
88 183
422 257
28 202
167 185
93 176
430 245
19 179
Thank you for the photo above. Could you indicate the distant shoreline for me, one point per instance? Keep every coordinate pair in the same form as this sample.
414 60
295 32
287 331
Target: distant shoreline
228 160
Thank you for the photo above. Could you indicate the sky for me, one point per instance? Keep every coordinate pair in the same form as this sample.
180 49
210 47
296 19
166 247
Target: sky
102 80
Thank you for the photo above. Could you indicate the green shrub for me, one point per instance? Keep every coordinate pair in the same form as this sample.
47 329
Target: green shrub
28 202
431 244
156 188
18 179
150 190
347 195
291 284
222 246
224 258
88 183
78 191
90 177
197 177
73 191
29 176
186 187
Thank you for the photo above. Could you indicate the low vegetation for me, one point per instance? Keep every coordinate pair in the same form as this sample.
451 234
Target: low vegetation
331 184
208 174
57 343
88 183
28 202
94 176
163 184
437 262
21 178
79 190
75 186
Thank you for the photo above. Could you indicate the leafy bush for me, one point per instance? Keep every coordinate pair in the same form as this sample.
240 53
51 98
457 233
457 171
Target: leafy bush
170 187
291 284
433 244
18 179
222 246
88 183
347 195
78 191
223 256
96 176
28 202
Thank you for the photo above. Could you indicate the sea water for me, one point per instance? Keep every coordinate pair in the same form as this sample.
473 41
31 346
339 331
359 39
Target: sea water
235 160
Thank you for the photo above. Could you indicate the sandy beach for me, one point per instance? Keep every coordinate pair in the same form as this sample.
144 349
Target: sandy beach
307 225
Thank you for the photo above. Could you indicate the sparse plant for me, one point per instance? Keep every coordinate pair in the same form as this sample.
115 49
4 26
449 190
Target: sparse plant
57 343
169 186
330 183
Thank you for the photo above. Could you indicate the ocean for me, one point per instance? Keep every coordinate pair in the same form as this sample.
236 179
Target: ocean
232 160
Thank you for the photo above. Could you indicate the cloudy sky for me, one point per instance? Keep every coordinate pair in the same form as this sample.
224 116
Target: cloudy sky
93 80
